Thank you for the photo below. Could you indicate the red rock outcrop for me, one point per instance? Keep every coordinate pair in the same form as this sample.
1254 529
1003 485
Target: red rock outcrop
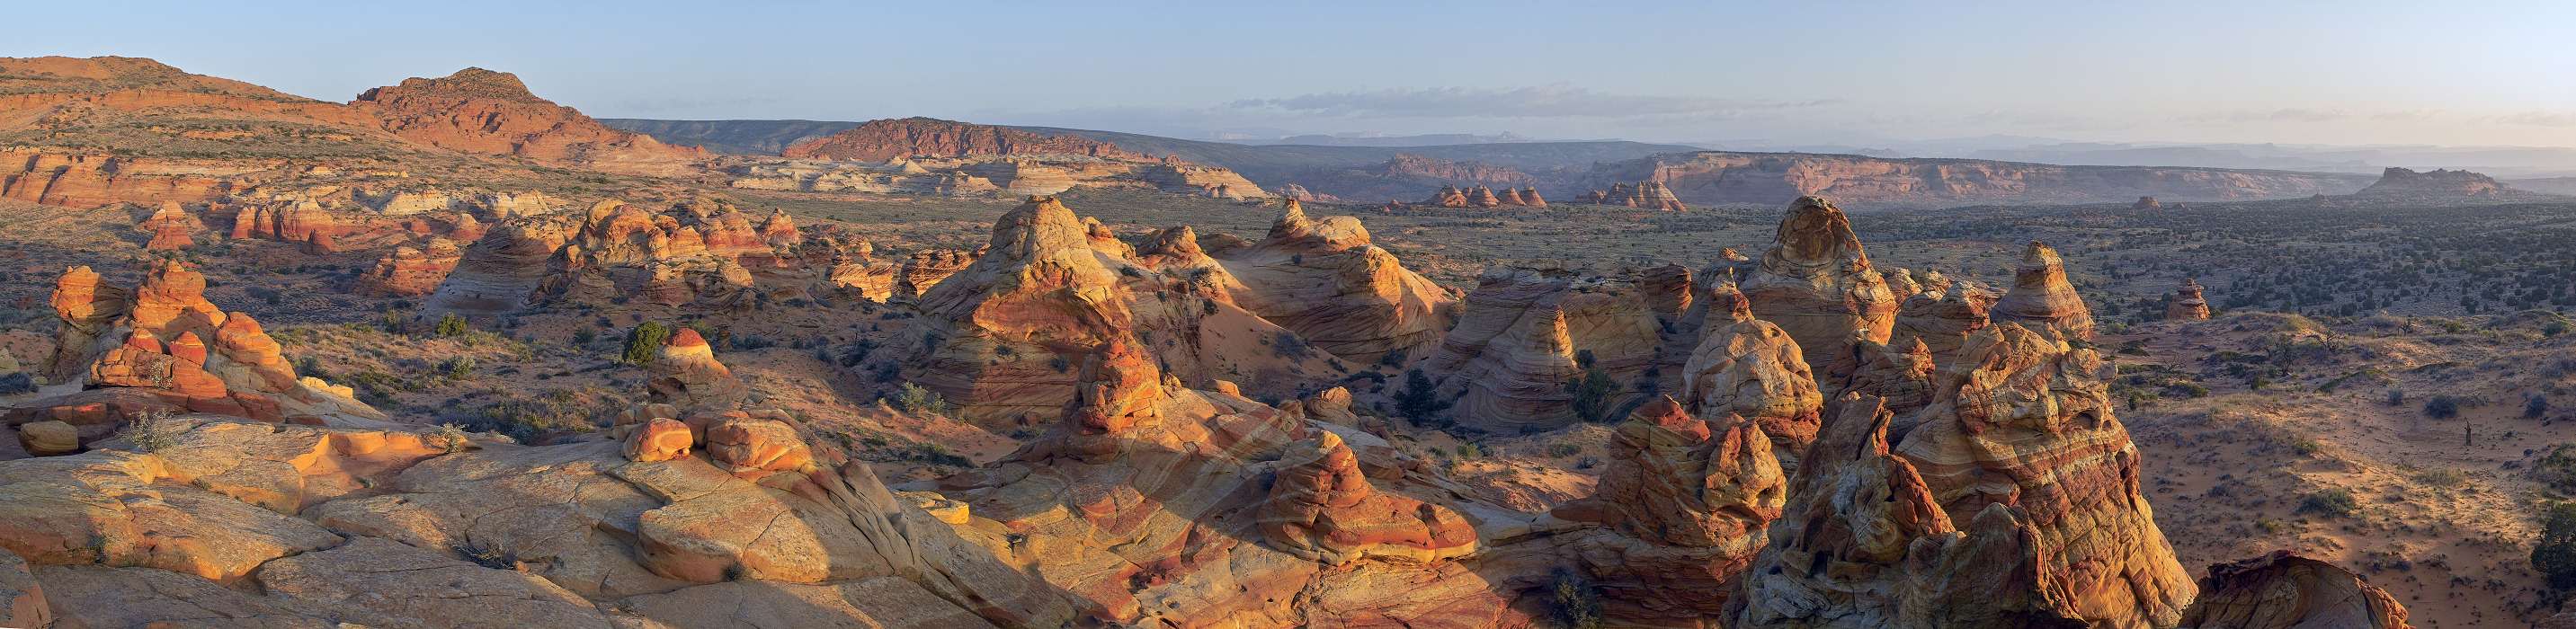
1481 196
1327 281
2041 297
156 342
1816 282
1687 504
1650 195
1448 196
881 140
687 375
94 181
171 228
2282 590
2187 304
1528 197
482 111
1943 316
1750 368
1321 505
409 272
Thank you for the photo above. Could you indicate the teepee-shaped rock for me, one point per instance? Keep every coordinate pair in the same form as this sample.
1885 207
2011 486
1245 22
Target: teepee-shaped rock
1321 505
1816 283
2187 303
2042 297
687 375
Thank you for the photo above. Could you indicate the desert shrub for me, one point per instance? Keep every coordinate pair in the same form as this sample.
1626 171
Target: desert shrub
2535 406
1592 395
1418 401
919 400
584 336
487 556
1562 450
2554 554
16 383
2337 502
2396 397
458 368
451 326
644 343
1575 601
1289 345
2442 407
936 454
451 437
150 431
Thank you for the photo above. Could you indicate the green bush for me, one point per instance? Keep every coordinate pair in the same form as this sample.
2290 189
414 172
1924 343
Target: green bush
452 326
2554 554
2442 407
1592 395
644 343
919 400
1576 603
2337 502
1418 400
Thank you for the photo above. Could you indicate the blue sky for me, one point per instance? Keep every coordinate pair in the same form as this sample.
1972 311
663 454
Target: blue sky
1814 72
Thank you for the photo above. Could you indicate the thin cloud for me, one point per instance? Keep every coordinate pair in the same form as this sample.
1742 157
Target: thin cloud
2285 114
1553 101
2540 118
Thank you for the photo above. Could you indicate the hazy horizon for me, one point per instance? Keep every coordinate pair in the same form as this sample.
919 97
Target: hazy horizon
1860 74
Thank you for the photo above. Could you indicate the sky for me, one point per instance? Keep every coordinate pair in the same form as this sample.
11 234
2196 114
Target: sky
2343 73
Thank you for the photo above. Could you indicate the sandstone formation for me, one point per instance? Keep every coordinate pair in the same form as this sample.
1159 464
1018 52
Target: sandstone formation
1750 368
2187 304
1651 195
1322 505
1049 289
1943 316
881 140
171 228
1526 334
163 347
410 272
2283 590
1687 503
702 253
333 526
1816 283
1715 177
686 375
2146 203
1328 282
1148 501
482 111
2042 298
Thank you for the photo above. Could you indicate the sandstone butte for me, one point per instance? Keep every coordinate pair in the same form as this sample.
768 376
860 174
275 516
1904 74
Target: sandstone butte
882 140
2042 299
1158 494
2187 304
482 111
1817 284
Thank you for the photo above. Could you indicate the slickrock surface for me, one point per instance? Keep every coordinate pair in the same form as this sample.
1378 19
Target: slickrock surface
1943 316
2042 298
2283 590
1816 283
482 111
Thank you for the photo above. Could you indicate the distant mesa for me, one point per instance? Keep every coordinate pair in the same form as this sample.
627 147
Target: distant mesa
881 140
2435 183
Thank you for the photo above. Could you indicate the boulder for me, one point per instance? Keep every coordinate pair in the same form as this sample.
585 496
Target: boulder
2283 590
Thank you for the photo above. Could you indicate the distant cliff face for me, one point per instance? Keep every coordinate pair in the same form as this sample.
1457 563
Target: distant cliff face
1715 177
2436 183
880 140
